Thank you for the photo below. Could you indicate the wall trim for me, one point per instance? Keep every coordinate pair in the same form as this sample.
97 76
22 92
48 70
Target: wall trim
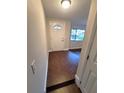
66 49
49 51
76 48
45 82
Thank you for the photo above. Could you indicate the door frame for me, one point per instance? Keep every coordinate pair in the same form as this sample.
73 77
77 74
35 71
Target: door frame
87 43
91 62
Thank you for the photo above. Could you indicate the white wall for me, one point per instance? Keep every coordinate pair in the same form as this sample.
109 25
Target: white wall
68 43
75 44
36 47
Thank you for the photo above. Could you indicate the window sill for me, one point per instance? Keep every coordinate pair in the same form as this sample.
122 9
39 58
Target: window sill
76 40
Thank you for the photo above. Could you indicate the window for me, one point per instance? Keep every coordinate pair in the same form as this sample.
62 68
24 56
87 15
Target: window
77 34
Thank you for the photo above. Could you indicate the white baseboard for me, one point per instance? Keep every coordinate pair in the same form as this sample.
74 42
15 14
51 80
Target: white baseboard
59 50
77 81
49 50
76 48
66 49
45 82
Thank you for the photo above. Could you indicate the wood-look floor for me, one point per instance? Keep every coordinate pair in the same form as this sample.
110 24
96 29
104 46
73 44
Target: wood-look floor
62 67
67 89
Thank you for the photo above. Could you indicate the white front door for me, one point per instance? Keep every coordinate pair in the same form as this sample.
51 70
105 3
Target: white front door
57 35
89 78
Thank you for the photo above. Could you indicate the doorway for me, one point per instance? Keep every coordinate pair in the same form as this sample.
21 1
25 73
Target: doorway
63 55
57 35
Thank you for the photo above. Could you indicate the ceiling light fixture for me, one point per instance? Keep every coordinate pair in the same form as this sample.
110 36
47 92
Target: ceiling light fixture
66 3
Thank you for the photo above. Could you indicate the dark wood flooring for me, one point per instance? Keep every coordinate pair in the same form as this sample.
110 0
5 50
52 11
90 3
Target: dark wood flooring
62 67
67 89
60 85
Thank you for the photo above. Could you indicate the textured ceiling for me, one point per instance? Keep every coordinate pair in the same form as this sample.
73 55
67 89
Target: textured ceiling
77 13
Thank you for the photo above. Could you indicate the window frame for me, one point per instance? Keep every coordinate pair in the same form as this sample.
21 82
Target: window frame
75 36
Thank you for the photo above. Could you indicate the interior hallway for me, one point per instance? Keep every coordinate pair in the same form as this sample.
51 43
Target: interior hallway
47 33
